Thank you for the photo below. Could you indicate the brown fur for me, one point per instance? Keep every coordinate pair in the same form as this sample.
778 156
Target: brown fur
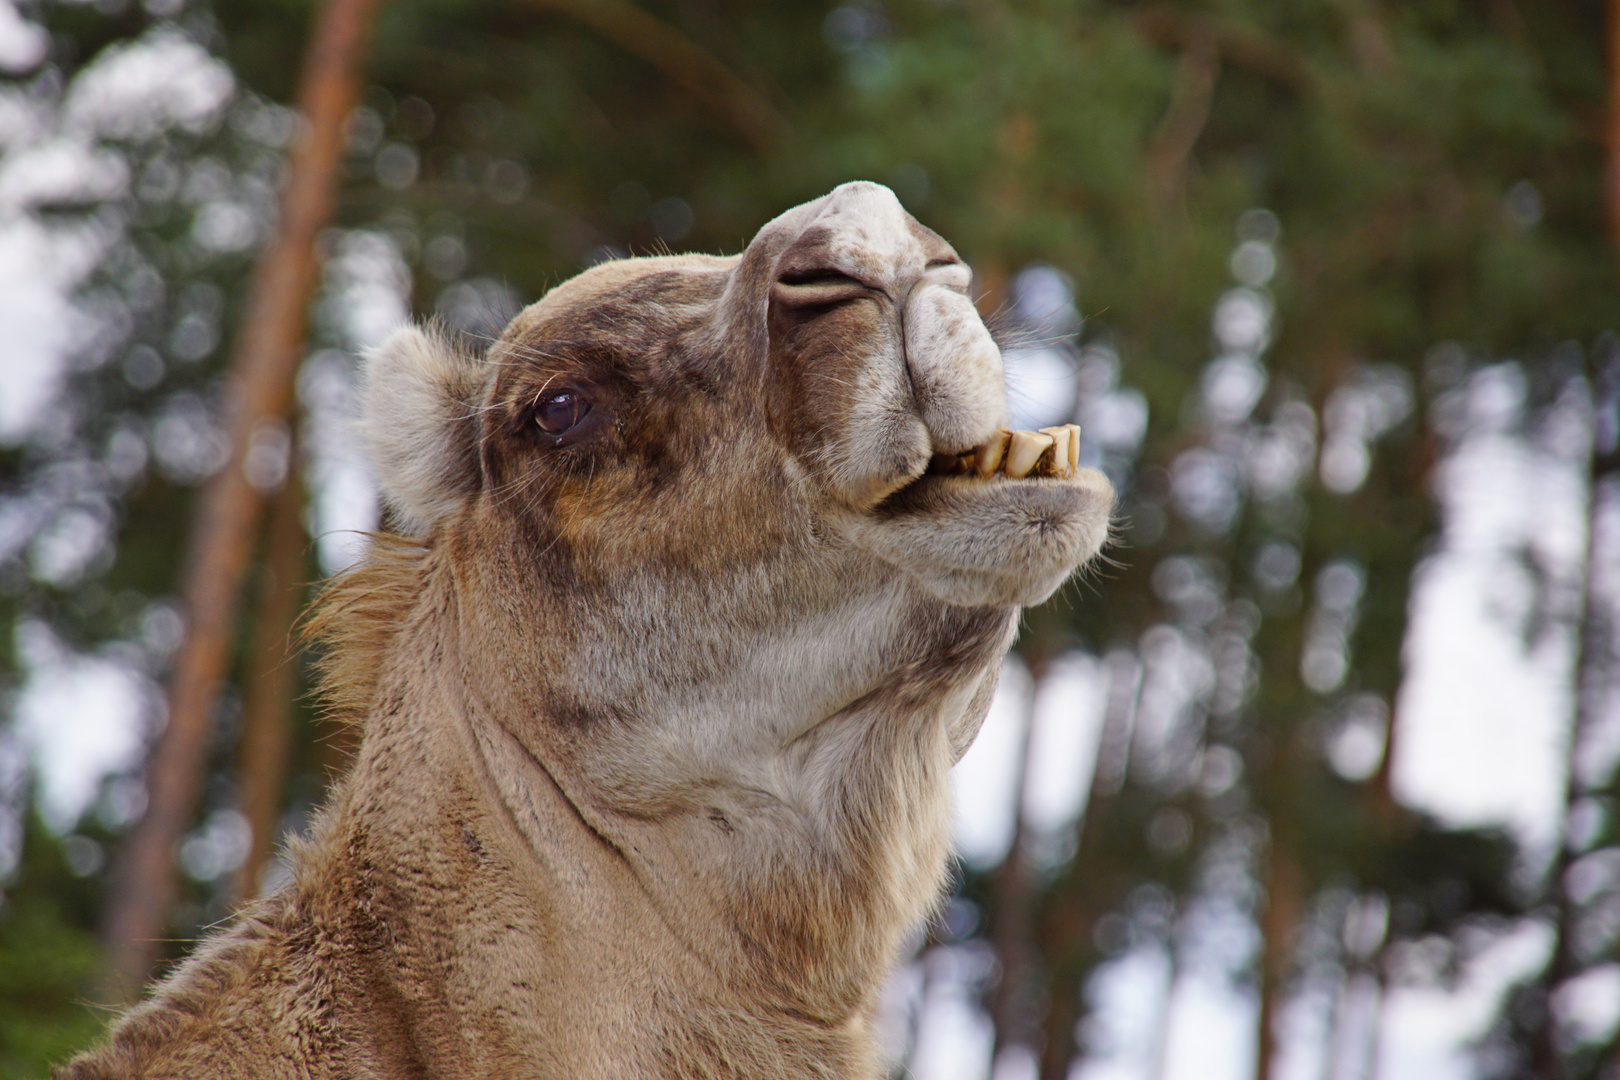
354 621
658 711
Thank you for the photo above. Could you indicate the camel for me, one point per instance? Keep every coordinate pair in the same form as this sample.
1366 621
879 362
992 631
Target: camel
701 583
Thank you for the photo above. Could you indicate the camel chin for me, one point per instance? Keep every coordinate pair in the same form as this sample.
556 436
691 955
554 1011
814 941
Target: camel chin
992 541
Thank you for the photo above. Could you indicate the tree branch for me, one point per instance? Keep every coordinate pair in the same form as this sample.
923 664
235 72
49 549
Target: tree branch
682 61
1170 149
1239 45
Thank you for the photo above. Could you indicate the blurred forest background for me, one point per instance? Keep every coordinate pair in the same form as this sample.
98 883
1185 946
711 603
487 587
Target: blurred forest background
1317 781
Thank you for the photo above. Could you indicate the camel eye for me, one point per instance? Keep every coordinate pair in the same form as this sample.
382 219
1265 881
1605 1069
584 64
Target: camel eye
559 413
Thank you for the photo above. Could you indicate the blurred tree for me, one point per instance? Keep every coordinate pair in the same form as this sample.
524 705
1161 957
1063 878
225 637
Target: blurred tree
1540 1032
47 955
271 678
269 346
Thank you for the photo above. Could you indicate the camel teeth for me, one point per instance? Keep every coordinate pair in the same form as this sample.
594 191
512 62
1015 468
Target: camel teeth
1024 449
1062 438
987 459
1049 452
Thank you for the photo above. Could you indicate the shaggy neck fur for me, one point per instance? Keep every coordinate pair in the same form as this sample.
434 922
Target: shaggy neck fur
626 945
796 850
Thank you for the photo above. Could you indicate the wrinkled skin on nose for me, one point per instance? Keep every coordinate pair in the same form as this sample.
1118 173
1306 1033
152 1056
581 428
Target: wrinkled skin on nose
880 356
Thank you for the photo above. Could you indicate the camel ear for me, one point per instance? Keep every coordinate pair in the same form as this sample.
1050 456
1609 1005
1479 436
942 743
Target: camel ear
418 415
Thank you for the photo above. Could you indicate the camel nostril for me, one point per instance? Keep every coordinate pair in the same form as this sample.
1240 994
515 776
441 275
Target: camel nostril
816 287
818 277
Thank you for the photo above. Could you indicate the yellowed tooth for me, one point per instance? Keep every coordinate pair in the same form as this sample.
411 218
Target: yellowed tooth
987 459
1060 450
1074 447
1024 449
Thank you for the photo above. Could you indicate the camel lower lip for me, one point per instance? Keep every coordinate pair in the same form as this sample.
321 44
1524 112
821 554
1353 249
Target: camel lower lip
1016 455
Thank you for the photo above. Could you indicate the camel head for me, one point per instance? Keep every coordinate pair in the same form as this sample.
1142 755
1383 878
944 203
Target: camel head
831 389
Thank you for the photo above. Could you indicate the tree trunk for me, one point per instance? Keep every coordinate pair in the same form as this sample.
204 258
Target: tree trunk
1594 645
1612 132
269 346
1380 790
1612 198
272 682
1068 925
1012 928
1375 1020
1285 887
